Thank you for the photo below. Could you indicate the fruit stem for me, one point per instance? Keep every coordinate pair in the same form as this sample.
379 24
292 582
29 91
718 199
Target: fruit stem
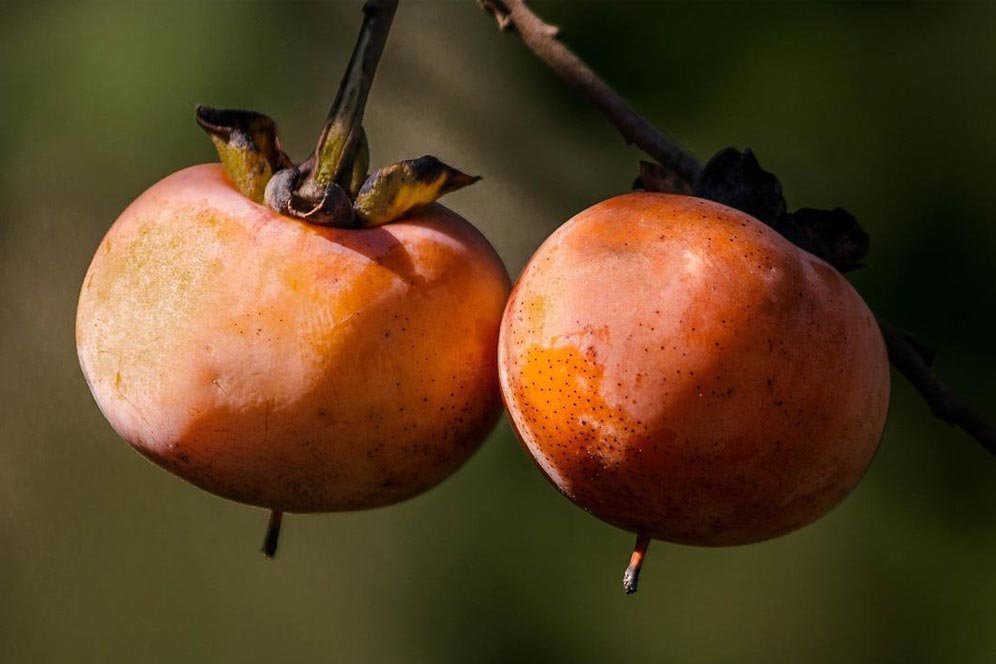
631 578
272 533
340 137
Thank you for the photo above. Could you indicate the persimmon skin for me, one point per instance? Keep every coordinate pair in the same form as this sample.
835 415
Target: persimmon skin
678 369
286 365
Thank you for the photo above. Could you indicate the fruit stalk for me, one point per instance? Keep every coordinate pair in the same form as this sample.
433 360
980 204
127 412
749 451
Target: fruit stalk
272 537
332 187
341 134
631 579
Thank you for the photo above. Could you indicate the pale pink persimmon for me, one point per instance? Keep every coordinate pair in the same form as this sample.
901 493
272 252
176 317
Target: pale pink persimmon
288 365
680 370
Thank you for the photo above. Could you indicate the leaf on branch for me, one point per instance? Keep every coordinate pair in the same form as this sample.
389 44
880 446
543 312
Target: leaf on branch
736 179
396 189
248 146
655 177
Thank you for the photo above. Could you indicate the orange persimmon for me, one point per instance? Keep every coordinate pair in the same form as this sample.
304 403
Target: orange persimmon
289 365
680 370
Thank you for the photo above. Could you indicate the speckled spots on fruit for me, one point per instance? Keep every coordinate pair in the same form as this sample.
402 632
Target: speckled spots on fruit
559 390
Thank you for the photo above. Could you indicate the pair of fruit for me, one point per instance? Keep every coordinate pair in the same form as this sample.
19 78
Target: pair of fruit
673 365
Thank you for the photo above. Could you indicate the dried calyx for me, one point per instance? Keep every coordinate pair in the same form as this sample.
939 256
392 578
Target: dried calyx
332 187
736 179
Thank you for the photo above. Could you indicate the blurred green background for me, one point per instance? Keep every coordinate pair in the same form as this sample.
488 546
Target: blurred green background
885 109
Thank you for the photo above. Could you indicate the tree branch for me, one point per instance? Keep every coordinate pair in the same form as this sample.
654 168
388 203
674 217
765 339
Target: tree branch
907 355
910 359
541 38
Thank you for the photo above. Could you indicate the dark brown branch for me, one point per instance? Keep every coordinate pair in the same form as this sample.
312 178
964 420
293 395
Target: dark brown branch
913 362
907 355
541 38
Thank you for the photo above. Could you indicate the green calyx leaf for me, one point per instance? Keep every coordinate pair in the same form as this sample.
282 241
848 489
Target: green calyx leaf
393 191
250 152
248 146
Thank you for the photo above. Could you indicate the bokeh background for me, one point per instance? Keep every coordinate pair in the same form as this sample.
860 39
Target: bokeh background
885 109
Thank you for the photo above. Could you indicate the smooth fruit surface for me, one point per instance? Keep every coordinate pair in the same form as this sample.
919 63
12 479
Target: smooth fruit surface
287 365
679 369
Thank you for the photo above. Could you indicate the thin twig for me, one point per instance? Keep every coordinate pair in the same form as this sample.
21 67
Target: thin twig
541 38
946 405
906 354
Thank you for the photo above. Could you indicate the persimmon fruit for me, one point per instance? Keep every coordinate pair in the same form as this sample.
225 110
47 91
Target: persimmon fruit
302 337
288 365
680 370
